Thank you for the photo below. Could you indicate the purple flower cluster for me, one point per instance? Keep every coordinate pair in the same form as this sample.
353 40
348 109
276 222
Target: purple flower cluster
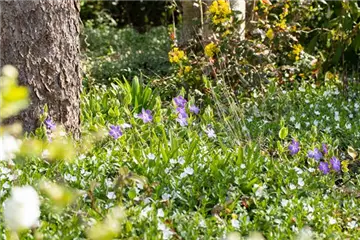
315 154
294 147
334 163
180 103
50 126
145 115
115 131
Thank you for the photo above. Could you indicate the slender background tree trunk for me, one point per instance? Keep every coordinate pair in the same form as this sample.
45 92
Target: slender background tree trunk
41 39
239 7
190 21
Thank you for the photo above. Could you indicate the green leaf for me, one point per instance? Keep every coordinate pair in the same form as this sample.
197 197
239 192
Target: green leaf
283 133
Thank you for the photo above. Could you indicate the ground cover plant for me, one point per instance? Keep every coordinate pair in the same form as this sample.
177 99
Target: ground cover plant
202 159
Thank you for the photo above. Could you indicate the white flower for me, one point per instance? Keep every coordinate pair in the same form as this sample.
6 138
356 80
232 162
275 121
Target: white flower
22 209
352 224
242 166
45 153
317 113
8 147
305 234
356 105
111 195
235 223
292 119
210 133
284 202
167 233
151 156
261 191
172 161
298 170
165 197
292 186
297 125
189 171
332 221
125 125
183 174
160 212
144 213
348 125
181 160
301 182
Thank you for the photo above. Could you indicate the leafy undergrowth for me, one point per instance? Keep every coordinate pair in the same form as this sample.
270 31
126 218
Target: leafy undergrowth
253 166
114 53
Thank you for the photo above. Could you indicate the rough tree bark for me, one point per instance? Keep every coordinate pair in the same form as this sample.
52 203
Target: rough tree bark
41 39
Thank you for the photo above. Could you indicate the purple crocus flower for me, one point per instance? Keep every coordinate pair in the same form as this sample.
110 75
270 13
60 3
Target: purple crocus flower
115 131
294 147
324 148
335 164
145 115
316 154
49 124
324 167
180 101
194 109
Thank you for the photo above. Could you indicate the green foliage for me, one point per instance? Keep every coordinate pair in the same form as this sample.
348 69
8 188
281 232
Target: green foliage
117 53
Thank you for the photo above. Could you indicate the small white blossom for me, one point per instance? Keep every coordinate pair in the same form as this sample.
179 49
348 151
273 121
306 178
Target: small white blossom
160 212
352 224
301 182
292 186
332 221
22 209
284 202
165 196
210 133
235 223
189 171
111 195
167 233
9 146
181 160
151 156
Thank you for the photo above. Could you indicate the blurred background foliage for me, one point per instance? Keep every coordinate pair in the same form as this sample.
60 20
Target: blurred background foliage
286 42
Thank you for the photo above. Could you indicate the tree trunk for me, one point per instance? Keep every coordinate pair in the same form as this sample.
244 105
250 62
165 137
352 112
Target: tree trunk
41 39
239 8
190 21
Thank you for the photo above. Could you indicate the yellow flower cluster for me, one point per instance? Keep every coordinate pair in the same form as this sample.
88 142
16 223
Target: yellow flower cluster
211 49
297 49
220 11
176 55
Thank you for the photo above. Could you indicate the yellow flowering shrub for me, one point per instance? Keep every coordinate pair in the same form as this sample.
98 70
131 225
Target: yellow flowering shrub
211 49
297 49
176 55
220 11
